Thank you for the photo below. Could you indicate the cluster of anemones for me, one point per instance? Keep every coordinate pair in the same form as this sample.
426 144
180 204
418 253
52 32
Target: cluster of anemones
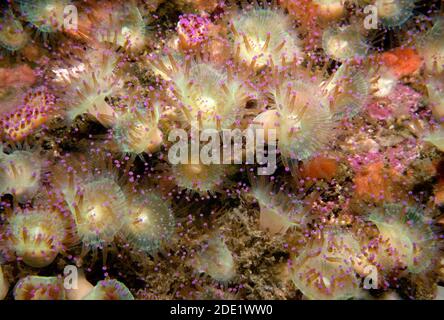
317 80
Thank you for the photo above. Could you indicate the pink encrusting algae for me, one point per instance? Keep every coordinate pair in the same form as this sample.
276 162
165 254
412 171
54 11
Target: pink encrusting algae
189 149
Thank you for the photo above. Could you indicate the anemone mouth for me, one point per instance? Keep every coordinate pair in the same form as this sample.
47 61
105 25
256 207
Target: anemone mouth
207 97
206 104
144 219
199 177
150 224
343 43
98 210
294 123
384 85
207 113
